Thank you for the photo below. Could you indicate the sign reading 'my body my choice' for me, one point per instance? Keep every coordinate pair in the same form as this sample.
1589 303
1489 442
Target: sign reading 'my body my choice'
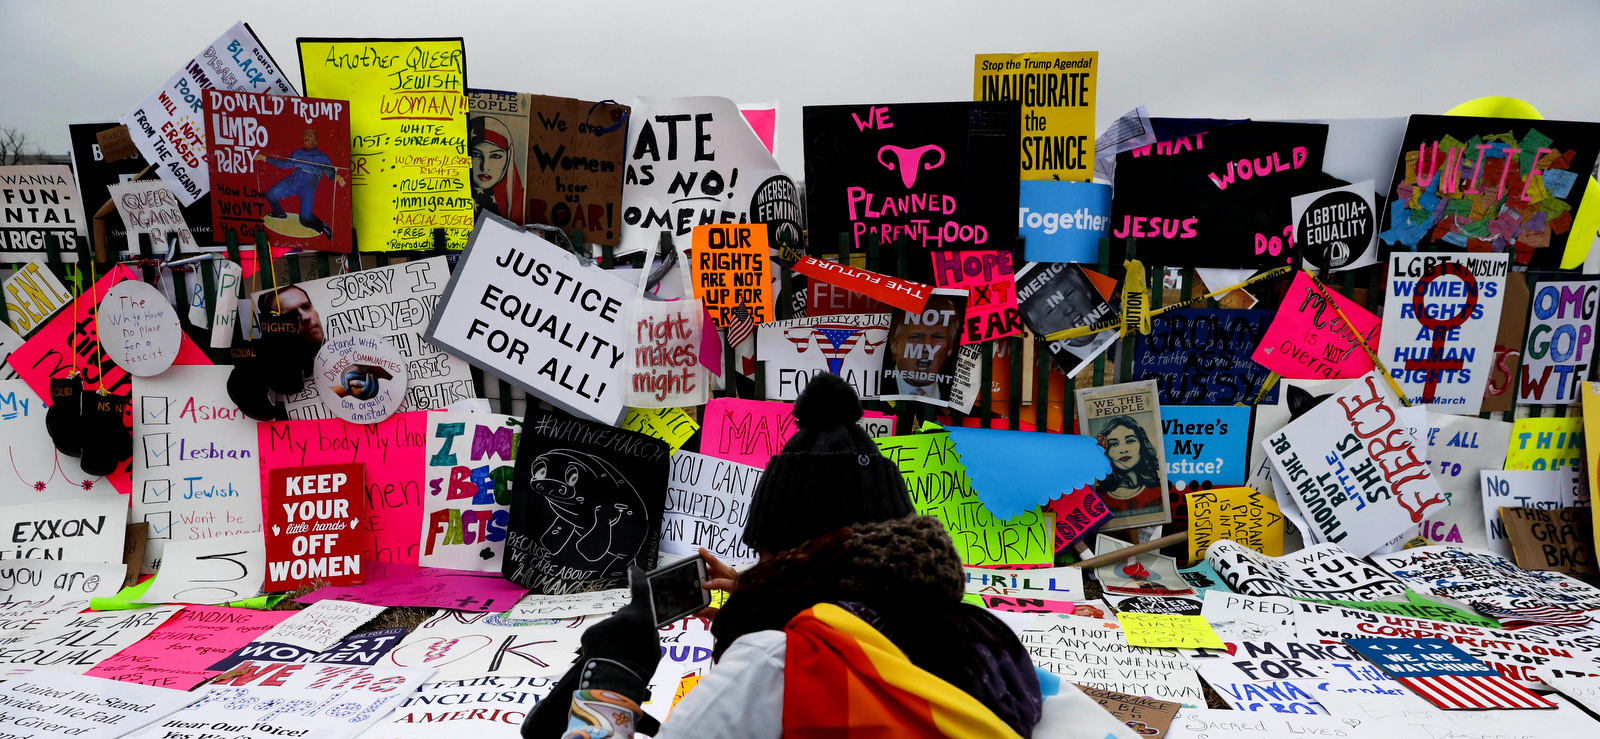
529 312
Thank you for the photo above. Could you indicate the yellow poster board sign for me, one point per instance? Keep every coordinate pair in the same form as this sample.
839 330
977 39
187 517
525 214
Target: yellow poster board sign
1591 426
1546 443
1057 91
410 168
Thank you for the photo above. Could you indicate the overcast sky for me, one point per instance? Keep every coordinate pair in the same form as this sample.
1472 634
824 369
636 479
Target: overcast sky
77 61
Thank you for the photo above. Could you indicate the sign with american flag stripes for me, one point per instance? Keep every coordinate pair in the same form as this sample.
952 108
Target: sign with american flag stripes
1448 677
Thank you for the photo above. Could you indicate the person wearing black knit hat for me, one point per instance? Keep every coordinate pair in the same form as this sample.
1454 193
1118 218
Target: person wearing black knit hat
846 569
829 475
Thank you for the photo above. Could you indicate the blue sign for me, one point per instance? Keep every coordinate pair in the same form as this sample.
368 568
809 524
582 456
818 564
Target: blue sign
1063 221
1207 446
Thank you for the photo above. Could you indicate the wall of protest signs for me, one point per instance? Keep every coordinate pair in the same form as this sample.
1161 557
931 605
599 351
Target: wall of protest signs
1300 432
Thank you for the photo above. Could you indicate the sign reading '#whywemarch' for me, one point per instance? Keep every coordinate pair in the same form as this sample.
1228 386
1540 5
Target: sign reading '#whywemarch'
1443 310
529 312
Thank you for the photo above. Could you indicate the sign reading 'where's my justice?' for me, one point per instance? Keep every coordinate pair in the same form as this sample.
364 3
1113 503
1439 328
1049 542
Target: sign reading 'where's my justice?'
532 314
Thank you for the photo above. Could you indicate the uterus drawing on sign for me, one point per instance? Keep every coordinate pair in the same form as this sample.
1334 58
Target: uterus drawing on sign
599 520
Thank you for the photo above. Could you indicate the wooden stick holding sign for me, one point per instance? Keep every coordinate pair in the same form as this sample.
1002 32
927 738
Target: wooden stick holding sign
1121 554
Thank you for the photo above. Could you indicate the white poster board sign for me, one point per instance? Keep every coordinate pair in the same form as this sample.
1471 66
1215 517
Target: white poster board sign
530 313
1439 322
708 504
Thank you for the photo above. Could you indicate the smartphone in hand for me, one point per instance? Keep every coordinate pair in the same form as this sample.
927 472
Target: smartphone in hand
675 590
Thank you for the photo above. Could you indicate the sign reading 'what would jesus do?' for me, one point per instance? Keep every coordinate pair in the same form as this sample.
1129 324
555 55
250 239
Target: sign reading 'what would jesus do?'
529 312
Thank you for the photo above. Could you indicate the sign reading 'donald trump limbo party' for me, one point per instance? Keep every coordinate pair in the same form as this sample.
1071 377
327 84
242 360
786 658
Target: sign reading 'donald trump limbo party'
1443 311
1353 469
169 124
532 314
410 170
942 175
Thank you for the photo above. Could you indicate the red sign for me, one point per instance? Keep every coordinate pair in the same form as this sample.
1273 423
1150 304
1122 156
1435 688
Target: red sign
314 525
907 296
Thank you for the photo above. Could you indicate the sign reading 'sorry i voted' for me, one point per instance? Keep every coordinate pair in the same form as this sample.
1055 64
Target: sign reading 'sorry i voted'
531 313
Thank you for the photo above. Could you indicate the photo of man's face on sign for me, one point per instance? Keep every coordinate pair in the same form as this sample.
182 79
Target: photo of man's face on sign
1126 421
920 364
294 302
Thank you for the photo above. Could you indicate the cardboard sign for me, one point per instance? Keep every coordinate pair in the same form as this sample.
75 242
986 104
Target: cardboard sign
411 171
1545 443
1063 221
138 329
530 313
178 655
708 504
575 152
900 293
587 501
1238 514
940 487
279 164
1488 581
1309 341
1202 356
497 140
80 706
1510 185
1500 392
939 174
1126 421
1541 489
360 377
83 530
169 124
1215 198
1441 312
95 174
401 585
684 164
465 513
1057 92
671 425
1148 717
846 345
1561 340
1442 673
987 277
1058 297
1460 448
1357 475
1168 630
1322 571
39 473
32 294
728 271
116 144
1093 652
396 302
314 529
1559 541
666 370
1337 228
196 474
394 454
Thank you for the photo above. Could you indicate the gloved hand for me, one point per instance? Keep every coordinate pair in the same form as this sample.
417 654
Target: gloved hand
618 657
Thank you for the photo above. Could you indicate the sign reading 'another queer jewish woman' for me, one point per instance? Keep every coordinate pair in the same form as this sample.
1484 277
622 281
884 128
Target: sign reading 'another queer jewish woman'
943 175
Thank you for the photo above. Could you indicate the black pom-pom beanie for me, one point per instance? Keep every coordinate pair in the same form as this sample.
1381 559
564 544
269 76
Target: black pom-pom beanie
830 474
